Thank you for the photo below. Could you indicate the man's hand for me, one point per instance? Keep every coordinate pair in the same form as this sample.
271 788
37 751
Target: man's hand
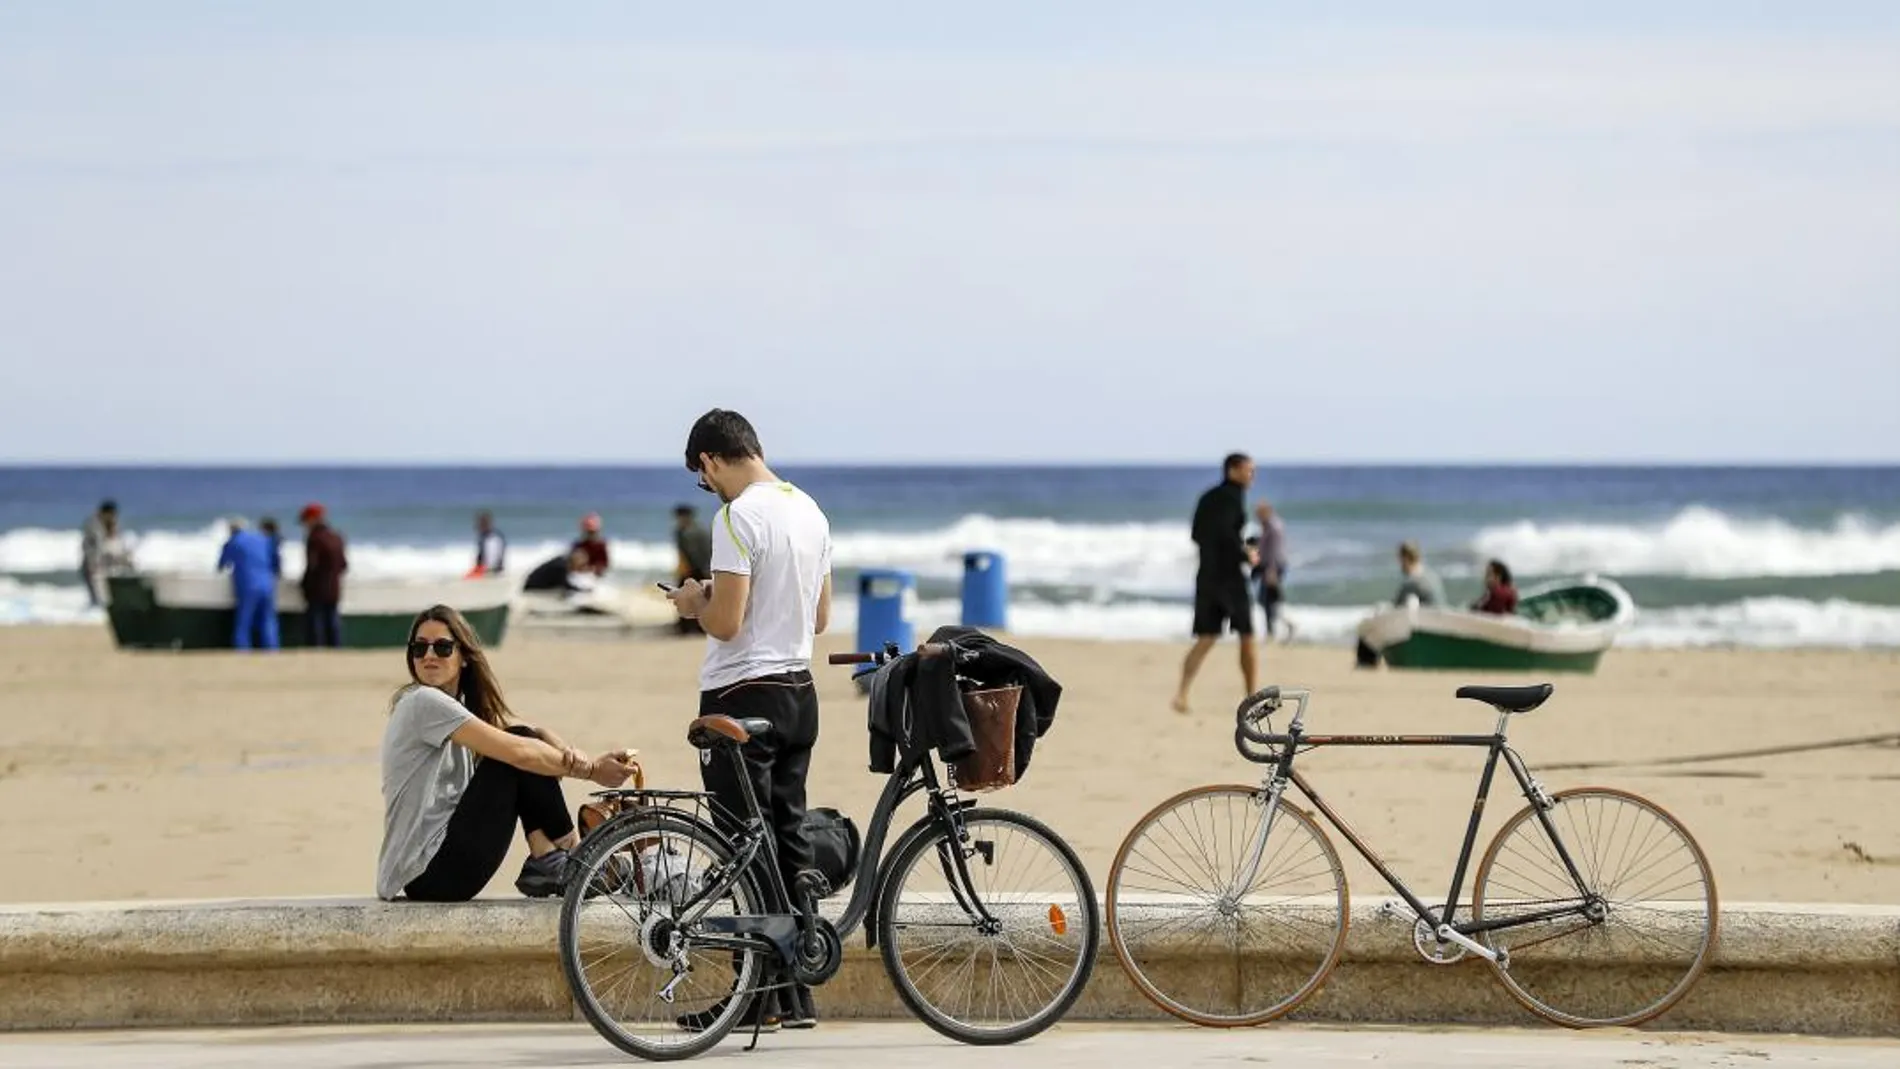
690 597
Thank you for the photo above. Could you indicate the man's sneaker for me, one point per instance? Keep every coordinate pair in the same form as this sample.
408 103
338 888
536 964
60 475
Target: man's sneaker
804 1012
544 876
699 1022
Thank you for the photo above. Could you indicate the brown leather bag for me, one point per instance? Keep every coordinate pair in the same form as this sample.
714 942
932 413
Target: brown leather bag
992 713
599 811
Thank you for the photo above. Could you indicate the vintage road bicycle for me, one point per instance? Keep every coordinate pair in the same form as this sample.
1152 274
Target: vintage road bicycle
986 920
1243 881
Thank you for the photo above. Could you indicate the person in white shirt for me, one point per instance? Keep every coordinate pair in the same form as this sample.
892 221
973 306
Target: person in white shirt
770 593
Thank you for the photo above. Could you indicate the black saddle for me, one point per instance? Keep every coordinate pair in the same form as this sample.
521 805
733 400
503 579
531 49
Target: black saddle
710 731
1510 699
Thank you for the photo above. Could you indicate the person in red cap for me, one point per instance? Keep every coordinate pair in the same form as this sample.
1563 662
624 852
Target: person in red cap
324 565
592 544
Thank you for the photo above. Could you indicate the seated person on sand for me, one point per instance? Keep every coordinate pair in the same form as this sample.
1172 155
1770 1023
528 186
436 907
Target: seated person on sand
448 818
1499 595
566 574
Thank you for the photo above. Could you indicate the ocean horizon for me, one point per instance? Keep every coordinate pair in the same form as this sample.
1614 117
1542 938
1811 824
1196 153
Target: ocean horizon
1760 555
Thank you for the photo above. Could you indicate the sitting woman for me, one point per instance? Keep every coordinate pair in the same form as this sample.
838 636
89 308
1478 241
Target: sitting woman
448 818
1499 595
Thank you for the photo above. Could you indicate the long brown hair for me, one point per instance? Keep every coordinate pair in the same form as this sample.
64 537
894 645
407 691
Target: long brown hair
477 688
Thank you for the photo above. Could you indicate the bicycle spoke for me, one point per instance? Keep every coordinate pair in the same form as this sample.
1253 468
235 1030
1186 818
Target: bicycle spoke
1648 905
1175 896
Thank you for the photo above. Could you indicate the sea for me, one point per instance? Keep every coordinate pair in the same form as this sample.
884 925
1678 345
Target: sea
1713 556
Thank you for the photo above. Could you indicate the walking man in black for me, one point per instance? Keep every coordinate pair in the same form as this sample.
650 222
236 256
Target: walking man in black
1221 597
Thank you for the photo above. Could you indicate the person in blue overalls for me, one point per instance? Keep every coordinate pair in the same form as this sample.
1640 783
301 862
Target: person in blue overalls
249 554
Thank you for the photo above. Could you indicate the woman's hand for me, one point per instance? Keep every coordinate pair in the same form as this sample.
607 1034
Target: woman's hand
612 769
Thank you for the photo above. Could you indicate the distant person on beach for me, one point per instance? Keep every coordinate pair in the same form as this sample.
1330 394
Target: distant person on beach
770 594
1269 570
491 546
1418 585
1221 598
694 543
448 819
102 551
564 573
250 557
324 563
1499 595
268 525
1417 582
591 543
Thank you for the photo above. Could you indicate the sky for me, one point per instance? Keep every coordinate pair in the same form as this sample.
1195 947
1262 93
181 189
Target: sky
1053 232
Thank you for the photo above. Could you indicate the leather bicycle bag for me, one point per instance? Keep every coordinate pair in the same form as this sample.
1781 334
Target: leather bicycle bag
992 714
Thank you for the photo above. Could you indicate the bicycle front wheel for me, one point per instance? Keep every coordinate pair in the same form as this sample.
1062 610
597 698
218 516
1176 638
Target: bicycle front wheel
643 980
1221 919
1007 963
1641 901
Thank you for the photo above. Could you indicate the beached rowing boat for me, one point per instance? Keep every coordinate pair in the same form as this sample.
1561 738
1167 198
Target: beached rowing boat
1563 626
185 610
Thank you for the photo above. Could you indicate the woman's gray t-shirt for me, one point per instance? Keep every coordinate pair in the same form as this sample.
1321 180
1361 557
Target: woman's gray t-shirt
424 775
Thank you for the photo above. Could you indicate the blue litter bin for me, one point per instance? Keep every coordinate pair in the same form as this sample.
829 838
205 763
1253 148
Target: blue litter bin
885 597
985 589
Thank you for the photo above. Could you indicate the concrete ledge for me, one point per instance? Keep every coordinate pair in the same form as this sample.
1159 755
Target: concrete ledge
1819 969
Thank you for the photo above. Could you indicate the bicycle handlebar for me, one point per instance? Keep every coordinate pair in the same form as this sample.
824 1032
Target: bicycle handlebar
1261 704
889 653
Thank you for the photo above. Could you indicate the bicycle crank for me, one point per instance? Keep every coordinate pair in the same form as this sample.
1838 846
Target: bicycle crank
1433 949
816 956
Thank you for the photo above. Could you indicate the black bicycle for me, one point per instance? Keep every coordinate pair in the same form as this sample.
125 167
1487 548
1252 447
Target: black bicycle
1241 880
986 920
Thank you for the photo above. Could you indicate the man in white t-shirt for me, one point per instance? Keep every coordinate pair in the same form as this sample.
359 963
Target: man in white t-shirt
770 593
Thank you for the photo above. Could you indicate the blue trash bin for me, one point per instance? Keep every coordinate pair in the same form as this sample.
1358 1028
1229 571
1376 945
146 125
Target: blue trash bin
985 589
885 599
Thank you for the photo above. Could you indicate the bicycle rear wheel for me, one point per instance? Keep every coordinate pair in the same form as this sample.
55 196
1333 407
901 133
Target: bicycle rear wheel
976 981
1646 908
620 947
1201 946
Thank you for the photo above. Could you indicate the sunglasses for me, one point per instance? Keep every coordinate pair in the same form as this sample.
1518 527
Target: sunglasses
443 647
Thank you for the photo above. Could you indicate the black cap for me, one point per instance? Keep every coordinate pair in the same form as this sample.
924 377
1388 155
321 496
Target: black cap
108 505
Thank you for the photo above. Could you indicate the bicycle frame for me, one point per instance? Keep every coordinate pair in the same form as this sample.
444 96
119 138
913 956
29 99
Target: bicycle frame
754 846
1283 774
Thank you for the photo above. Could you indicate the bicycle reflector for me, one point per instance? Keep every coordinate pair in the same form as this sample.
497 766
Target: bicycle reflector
1058 922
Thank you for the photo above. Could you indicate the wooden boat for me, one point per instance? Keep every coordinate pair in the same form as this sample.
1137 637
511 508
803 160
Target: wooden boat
1563 626
191 611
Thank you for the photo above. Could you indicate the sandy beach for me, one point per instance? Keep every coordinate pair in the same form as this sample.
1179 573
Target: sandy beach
145 775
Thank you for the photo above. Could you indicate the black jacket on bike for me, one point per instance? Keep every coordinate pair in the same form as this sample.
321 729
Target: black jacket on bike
916 703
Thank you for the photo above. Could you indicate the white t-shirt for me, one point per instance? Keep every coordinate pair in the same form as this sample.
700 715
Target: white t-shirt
776 534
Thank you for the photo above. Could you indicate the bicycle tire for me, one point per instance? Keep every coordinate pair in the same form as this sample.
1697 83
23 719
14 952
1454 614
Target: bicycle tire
1177 1004
927 835
613 836
1514 982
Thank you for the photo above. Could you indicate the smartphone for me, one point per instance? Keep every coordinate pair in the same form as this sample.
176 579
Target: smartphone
665 588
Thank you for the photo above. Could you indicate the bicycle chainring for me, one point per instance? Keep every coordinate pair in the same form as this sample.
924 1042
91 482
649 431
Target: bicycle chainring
816 957
1425 940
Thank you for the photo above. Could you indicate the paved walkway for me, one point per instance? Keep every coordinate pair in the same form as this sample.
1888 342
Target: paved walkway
892 1045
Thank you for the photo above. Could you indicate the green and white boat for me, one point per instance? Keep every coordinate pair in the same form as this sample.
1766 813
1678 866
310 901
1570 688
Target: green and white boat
196 611
1563 626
